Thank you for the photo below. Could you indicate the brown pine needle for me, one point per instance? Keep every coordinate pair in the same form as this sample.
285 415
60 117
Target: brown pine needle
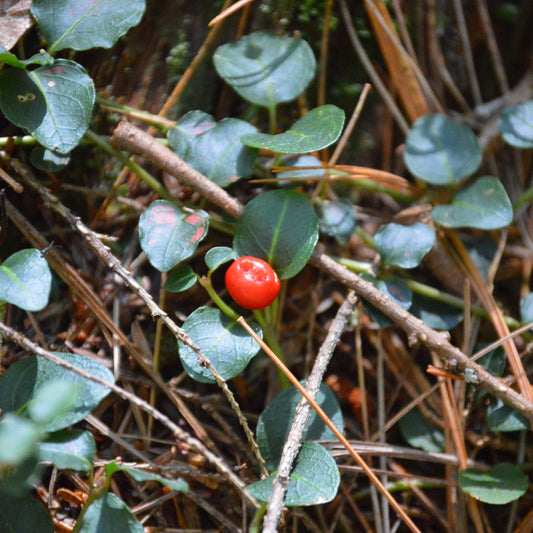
229 11
357 458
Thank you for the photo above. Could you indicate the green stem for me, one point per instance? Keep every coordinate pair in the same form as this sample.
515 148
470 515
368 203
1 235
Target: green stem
205 282
134 167
430 292
94 494
271 338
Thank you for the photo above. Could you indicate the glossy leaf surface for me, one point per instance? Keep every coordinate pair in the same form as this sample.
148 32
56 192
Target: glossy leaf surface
53 103
84 24
169 234
266 69
226 344
440 151
111 511
516 125
280 227
404 246
314 480
317 129
214 149
483 204
277 417
24 379
25 280
502 484
74 450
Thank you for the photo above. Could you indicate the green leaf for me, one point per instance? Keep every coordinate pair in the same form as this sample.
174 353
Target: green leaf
145 475
435 314
223 341
169 234
47 160
318 129
84 24
502 484
516 125
483 204
404 246
214 149
280 227
73 450
276 419
526 309
180 279
266 69
218 256
109 514
25 280
395 289
290 178
337 218
441 151
481 248
502 418
314 480
53 400
42 58
419 433
21 383
10 59
18 439
23 514
53 103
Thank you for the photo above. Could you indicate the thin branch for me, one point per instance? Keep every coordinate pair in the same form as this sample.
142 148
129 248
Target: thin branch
303 412
455 360
179 433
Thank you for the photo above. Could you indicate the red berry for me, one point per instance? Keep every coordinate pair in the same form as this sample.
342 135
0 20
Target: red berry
252 282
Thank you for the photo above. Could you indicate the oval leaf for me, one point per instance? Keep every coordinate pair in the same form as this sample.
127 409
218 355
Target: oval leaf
169 234
74 450
318 129
222 340
54 103
218 256
526 309
516 125
84 24
47 160
22 381
22 513
113 513
266 69
483 204
440 151
275 422
502 484
18 439
404 246
502 418
337 218
52 400
393 288
25 280
419 433
435 314
214 149
314 480
280 227
180 279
